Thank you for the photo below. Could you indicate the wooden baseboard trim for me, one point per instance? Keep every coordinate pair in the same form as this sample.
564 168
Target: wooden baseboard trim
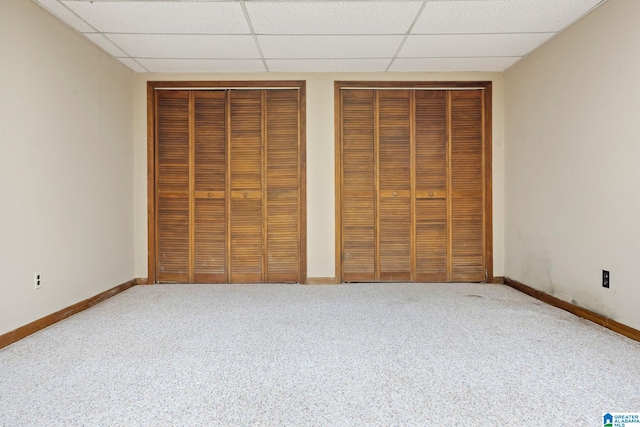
142 281
497 280
601 320
321 281
37 325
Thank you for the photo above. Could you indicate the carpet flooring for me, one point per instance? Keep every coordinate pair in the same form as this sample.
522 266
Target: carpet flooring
346 355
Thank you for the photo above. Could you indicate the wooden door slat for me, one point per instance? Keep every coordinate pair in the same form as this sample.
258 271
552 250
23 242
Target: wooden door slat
467 184
431 186
394 183
210 264
245 172
282 186
172 197
192 187
358 183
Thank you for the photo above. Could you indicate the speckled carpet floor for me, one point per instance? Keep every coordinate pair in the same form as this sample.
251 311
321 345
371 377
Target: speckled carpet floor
347 355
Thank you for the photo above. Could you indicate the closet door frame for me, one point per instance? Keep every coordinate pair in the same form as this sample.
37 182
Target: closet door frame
486 88
152 88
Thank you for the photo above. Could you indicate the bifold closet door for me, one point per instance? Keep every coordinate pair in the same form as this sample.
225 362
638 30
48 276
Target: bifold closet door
467 186
282 178
394 186
209 183
245 172
376 186
431 212
449 186
412 185
228 186
358 186
172 186
191 186
265 186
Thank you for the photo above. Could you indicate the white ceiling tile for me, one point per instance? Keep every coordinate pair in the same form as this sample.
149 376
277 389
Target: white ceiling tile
105 44
285 47
318 35
162 17
453 64
65 15
500 16
133 64
186 46
203 65
328 65
360 17
471 45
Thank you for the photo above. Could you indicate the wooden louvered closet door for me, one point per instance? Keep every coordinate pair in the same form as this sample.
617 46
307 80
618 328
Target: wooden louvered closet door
394 186
172 187
467 186
412 185
265 186
282 178
449 186
431 180
209 207
228 189
376 181
246 186
358 186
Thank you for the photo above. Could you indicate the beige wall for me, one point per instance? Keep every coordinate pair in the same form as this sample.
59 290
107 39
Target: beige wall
572 164
320 158
66 166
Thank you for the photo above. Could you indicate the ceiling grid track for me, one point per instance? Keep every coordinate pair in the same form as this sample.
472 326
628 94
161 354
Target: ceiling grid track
253 34
406 36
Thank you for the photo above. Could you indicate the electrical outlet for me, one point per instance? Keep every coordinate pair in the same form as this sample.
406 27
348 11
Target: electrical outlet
605 278
37 280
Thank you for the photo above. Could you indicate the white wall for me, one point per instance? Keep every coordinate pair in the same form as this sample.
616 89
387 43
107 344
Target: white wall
572 164
320 157
66 166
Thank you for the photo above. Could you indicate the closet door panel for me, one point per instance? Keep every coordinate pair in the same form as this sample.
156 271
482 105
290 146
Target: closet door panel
210 184
431 186
394 184
282 179
467 184
246 186
172 185
358 186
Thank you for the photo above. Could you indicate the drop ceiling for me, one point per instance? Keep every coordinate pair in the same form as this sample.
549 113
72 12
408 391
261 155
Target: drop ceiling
318 36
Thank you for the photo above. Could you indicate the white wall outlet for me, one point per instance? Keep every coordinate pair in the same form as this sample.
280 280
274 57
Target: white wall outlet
37 280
